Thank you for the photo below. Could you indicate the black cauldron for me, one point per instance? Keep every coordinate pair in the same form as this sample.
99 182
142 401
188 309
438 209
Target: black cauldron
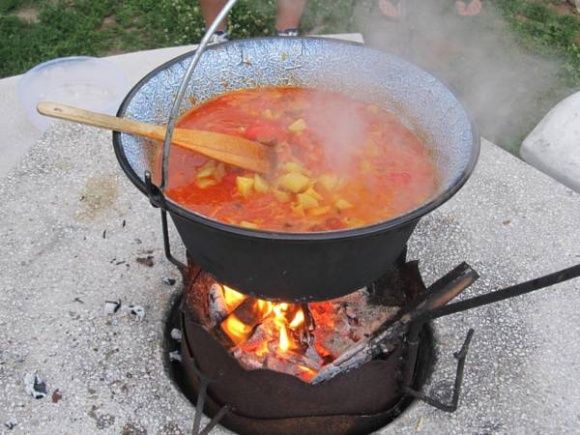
303 266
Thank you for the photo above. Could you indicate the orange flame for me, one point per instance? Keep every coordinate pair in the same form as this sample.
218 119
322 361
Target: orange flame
232 297
285 318
298 319
306 373
237 330
283 342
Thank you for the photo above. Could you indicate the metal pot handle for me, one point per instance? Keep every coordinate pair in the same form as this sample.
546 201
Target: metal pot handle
182 87
156 194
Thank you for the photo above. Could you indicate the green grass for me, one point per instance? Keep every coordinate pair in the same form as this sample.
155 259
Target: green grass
542 30
101 27
33 31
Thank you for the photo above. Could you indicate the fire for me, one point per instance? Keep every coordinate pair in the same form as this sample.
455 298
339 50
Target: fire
233 298
283 342
236 329
295 339
282 323
298 320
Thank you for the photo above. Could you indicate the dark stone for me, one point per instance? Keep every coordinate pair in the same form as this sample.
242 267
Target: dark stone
146 261
171 429
56 396
132 429
104 421
169 281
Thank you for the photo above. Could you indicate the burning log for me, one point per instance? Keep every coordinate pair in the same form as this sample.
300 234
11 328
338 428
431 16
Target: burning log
385 339
344 322
217 307
379 344
316 341
240 323
247 360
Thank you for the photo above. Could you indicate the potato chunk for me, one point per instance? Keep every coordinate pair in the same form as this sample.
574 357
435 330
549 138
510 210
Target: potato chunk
293 167
260 185
294 182
319 211
313 193
297 126
245 185
250 225
343 204
307 201
220 172
329 182
207 170
204 183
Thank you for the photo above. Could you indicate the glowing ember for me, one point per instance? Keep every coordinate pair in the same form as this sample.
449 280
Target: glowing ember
283 337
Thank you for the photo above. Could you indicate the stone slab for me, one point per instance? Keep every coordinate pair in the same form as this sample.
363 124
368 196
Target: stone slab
554 145
72 228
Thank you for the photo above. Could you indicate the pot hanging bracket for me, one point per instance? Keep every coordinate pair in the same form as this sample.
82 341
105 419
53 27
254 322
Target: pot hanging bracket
157 200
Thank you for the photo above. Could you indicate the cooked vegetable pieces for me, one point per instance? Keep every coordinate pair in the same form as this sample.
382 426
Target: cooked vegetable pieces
341 163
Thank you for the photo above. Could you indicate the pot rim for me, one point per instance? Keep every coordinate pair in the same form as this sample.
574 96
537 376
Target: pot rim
379 227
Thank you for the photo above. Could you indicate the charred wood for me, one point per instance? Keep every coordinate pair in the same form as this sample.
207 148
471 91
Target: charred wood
385 339
218 309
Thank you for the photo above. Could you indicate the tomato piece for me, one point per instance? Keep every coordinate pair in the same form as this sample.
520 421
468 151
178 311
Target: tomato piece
263 132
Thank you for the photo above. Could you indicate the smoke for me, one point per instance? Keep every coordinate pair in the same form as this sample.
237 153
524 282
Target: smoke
505 88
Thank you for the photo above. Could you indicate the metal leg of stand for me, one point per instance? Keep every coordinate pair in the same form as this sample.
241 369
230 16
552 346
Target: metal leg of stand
216 419
461 357
204 382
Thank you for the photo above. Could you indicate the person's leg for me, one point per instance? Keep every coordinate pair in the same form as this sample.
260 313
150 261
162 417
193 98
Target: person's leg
392 9
210 10
289 14
467 8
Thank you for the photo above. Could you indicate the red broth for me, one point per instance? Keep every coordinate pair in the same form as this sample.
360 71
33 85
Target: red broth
342 163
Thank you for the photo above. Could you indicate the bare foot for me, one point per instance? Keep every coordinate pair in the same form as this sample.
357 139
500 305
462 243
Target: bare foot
389 10
471 9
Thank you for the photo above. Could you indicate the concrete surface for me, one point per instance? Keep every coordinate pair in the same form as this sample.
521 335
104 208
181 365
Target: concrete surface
72 229
18 134
554 145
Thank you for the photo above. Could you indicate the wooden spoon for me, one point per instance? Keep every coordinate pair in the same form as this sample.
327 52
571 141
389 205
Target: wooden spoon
229 149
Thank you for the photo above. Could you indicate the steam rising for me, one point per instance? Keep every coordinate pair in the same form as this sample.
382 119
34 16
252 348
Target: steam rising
341 137
505 88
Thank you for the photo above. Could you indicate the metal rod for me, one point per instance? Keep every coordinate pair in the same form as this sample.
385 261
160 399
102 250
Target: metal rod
384 337
461 357
181 92
204 382
412 351
216 419
166 244
506 293
439 293
444 290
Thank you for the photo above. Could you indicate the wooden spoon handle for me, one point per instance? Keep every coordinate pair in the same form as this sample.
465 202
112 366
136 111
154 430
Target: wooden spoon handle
233 150
62 111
